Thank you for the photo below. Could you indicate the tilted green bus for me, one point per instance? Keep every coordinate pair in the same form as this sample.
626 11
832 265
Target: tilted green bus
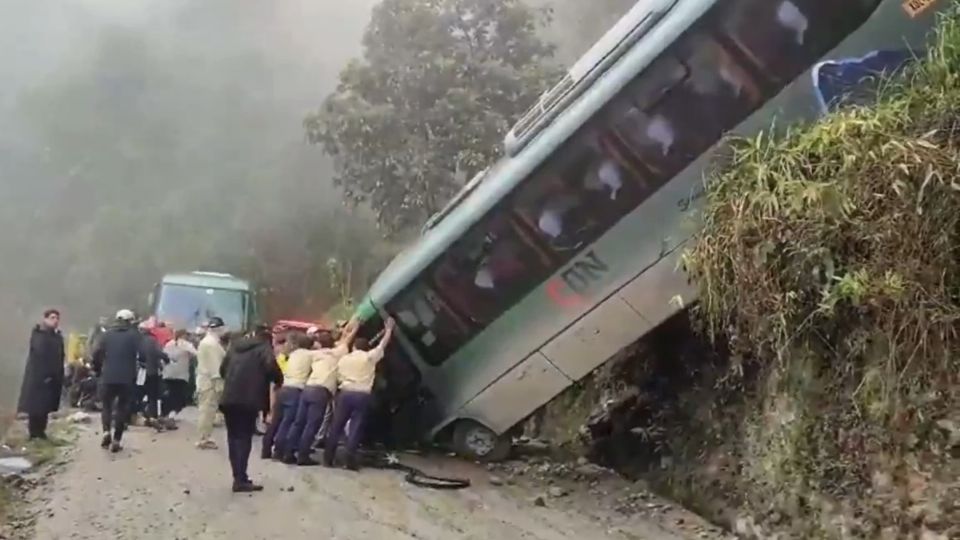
567 250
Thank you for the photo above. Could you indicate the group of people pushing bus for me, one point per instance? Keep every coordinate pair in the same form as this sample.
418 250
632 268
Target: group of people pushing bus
298 379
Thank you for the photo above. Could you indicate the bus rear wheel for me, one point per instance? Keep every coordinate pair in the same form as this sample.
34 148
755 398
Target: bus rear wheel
477 442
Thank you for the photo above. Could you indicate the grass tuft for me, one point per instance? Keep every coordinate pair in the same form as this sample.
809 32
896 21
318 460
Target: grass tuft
828 262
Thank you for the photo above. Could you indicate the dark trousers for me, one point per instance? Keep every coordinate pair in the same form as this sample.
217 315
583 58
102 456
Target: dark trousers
116 408
241 424
310 412
37 426
271 434
176 396
288 399
352 407
151 389
137 393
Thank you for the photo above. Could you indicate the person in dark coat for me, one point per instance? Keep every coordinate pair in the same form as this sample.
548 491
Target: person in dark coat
153 359
248 370
43 375
115 361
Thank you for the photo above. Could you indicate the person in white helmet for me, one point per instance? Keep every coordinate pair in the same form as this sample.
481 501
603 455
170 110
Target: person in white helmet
115 361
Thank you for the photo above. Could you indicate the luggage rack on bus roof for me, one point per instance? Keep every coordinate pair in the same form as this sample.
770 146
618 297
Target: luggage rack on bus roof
641 18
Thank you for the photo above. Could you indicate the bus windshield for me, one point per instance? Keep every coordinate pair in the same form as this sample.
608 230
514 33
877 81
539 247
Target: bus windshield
189 307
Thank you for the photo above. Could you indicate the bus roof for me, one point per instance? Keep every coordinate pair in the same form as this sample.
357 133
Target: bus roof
507 173
211 280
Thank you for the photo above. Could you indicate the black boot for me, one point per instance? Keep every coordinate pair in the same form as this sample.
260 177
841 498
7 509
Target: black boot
246 487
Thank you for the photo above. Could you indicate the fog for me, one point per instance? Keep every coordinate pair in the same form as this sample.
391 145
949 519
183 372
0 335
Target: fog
145 137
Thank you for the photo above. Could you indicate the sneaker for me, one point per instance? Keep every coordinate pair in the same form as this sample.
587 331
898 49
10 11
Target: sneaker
115 447
266 454
105 441
207 445
289 459
352 464
246 487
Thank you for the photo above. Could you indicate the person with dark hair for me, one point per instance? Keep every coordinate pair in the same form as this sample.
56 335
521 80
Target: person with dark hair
176 376
248 370
317 394
281 349
115 361
288 397
355 372
43 375
153 359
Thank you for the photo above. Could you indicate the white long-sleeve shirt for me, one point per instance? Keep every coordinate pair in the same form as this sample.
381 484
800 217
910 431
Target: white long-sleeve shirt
180 352
210 356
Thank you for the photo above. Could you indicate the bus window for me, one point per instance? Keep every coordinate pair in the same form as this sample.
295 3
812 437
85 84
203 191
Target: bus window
587 188
783 37
427 322
714 97
489 270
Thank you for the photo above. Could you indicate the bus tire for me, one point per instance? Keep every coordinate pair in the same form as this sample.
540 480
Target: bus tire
475 441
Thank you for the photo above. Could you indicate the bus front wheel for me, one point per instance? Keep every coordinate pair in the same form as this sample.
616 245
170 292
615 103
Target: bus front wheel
475 441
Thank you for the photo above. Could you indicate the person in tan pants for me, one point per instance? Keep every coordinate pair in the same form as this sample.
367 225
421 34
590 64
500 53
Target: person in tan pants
210 355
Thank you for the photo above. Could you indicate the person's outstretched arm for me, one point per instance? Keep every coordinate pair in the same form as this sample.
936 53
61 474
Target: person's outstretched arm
377 353
349 333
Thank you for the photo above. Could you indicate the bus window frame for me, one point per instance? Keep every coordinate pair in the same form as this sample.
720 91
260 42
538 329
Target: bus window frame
764 86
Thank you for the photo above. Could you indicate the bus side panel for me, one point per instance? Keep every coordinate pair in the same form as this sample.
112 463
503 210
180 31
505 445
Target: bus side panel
661 291
523 389
596 337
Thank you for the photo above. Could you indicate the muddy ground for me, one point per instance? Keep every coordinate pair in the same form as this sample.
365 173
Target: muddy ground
161 487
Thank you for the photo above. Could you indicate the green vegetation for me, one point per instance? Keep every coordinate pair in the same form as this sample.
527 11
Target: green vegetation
439 84
829 264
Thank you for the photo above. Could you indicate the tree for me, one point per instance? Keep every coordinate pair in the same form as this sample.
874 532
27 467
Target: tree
439 85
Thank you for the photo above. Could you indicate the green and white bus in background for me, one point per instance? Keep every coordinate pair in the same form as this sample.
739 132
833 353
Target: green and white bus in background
188 300
567 250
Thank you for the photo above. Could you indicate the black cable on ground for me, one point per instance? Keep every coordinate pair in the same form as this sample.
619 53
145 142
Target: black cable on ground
381 460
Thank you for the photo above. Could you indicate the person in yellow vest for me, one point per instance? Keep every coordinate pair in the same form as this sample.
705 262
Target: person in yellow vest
282 347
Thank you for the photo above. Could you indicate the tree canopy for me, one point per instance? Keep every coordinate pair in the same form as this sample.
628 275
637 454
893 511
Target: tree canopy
439 84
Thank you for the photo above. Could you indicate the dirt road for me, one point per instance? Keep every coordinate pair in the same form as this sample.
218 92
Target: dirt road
160 487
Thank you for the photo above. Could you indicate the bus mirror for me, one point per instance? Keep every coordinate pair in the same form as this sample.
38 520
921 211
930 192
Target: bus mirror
150 299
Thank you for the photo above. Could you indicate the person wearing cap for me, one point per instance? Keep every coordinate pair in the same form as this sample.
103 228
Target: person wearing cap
115 361
317 394
248 370
210 354
355 372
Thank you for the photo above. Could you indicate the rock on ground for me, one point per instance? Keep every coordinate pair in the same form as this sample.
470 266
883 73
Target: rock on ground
161 487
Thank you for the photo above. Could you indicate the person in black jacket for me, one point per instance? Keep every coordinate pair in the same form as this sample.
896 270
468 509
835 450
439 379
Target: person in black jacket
43 375
153 359
248 370
115 361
